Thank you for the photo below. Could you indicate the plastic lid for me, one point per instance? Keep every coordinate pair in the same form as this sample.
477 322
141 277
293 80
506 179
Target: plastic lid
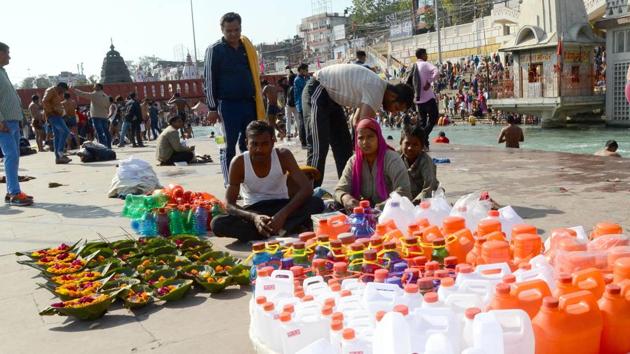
411 288
364 204
464 268
503 288
307 298
268 306
258 246
264 272
337 316
327 310
381 229
494 213
525 266
613 289
346 237
381 274
509 279
441 273
285 317
431 297
453 224
299 293
432 265
261 300
379 315
336 325
412 229
357 247
329 302
425 205
335 243
305 236
439 242
450 261
389 245
358 210
565 278
348 334
323 238
273 243
369 255
345 293
471 312
403 309
425 283
336 287
376 240
319 263
550 302
419 261
340 267
411 240
288 308
299 245
297 271
447 282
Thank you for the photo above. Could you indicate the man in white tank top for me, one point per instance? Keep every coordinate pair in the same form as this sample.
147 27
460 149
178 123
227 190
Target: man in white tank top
261 173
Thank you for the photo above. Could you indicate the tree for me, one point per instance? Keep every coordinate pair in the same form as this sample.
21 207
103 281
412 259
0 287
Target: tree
94 79
28 82
369 11
43 81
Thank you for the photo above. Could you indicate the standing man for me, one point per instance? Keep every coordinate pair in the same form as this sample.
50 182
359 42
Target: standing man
231 93
38 122
99 111
154 111
70 117
348 85
10 116
270 94
180 105
53 109
421 77
298 88
133 114
511 135
290 111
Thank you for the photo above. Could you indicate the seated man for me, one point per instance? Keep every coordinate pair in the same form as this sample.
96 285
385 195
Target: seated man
262 173
609 150
169 147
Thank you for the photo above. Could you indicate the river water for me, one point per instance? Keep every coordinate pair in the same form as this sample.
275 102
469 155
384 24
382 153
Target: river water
573 139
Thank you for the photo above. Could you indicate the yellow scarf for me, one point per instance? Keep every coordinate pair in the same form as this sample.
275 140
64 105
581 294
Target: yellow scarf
252 59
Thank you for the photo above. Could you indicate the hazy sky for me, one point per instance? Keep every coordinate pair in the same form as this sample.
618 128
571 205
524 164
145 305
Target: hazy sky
47 37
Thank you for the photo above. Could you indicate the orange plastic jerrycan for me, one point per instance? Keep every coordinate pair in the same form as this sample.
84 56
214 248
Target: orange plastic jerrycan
474 256
606 228
564 285
590 279
523 229
503 298
459 244
621 270
615 310
526 247
333 226
452 224
488 226
571 325
495 252
495 236
530 295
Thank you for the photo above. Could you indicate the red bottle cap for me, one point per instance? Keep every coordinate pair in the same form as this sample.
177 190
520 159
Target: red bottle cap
411 288
403 309
358 210
472 312
431 297
261 300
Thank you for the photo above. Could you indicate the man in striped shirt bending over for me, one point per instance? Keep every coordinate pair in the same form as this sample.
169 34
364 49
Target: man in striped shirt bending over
347 85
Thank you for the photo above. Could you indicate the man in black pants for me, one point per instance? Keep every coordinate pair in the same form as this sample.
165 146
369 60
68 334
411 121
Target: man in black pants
133 114
421 76
268 208
347 85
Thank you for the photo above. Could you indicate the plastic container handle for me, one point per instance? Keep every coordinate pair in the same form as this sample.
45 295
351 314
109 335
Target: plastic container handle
582 297
282 274
313 280
538 285
503 267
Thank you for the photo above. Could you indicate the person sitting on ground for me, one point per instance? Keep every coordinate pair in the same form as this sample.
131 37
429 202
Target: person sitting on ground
512 134
420 167
610 149
441 139
262 173
169 147
373 172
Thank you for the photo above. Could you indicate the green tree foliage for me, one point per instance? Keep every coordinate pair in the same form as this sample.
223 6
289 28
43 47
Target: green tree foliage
28 82
370 11
43 82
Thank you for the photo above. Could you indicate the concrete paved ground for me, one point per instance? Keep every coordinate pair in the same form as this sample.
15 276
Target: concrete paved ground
548 189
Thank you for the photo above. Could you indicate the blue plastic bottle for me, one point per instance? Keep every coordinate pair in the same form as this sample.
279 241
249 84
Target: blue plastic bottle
369 213
360 227
259 260
275 254
148 225
200 221
323 247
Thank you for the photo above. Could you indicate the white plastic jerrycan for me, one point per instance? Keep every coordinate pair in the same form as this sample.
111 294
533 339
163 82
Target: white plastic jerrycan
484 289
488 334
294 334
279 284
320 346
380 296
427 321
539 269
438 343
518 335
392 335
459 302
317 287
490 272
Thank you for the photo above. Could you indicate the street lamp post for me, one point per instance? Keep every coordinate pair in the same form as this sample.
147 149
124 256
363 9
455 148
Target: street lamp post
192 18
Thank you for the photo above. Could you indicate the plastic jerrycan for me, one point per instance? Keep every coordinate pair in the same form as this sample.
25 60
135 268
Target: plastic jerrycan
523 229
496 251
380 296
488 334
438 343
292 334
518 335
503 298
615 310
459 243
279 284
569 325
590 279
488 226
492 273
460 302
425 321
530 295
525 247
606 228
392 334
621 270
539 269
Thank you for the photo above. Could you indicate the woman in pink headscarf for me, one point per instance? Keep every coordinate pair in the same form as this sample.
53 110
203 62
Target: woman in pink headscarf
373 172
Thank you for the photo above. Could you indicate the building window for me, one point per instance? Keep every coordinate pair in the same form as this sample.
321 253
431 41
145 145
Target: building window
620 107
619 41
575 74
535 72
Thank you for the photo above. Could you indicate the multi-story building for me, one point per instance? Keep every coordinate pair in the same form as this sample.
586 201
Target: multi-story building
279 55
318 34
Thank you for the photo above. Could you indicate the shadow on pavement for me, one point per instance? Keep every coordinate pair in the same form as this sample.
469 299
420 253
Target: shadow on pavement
533 213
7 210
76 211
108 321
232 293
239 246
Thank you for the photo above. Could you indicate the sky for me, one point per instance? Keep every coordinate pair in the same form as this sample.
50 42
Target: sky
47 37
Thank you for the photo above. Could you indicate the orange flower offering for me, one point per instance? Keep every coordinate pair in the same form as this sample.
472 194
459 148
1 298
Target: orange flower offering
82 301
78 289
165 290
138 297
66 268
59 258
76 277
51 252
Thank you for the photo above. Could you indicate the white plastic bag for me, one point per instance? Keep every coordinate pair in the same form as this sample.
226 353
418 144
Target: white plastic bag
133 176
509 218
402 213
439 208
471 209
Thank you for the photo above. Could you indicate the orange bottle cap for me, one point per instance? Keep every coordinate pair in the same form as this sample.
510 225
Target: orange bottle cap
348 333
464 268
411 288
565 278
319 263
379 315
471 312
340 267
425 205
327 310
345 293
551 302
297 271
336 325
494 213
299 294
307 298
453 224
335 287
323 238
503 288
356 247
403 309
431 297
285 317
258 246
509 279
442 273
432 265
337 316
358 210
268 306
381 274
288 308
305 236
447 282
261 300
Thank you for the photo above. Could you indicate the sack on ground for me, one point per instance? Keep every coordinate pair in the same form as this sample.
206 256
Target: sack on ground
133 176
94 152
